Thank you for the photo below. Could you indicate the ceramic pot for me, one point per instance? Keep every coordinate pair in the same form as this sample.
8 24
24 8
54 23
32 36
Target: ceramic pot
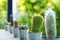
5 27
23 34
57 38
35 36
15 32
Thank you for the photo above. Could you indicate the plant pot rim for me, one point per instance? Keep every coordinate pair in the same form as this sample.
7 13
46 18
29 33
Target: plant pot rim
35 32
23 29
15 27
55 37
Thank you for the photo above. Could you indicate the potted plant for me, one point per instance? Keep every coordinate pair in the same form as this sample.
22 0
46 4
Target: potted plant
8 26
50 25
5 26
15 28
37 22
23 32
11 20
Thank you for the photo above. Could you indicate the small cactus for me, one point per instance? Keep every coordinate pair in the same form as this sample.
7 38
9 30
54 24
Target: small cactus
50 24
23 27
37 21
6 23
15 23
11 19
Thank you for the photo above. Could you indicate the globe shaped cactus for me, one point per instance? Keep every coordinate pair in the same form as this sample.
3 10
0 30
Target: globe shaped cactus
50 23
37 21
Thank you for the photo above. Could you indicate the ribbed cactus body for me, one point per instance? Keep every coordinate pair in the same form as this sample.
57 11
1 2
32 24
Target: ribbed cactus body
36 22
50 24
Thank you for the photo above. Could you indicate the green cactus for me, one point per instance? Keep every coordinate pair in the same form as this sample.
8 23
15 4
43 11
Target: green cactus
11 19
50 24
15 23
37 21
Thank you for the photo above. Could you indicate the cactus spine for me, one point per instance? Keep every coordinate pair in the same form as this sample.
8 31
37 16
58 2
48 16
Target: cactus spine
37 21
50 24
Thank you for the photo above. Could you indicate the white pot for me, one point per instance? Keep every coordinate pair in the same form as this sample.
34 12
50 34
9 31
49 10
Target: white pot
50 39
15 32
23 34
12 29
9 28
35 36
5 27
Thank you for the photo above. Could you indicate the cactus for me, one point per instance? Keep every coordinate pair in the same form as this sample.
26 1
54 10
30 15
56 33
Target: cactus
23 27
9 23
15 23
11 19
37 21
50 24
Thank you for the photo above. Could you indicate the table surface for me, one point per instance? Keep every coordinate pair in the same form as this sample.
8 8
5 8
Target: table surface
5 35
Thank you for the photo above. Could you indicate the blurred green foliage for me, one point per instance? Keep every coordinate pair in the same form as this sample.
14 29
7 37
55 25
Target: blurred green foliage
31 7
39 6
3 12
57 10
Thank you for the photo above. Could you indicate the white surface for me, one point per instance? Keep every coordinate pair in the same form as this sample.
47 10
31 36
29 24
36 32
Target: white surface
5 35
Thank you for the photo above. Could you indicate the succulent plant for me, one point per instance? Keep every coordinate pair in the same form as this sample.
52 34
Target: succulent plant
37 21
15 23
6 23
11 19
50 23
23 27
9 23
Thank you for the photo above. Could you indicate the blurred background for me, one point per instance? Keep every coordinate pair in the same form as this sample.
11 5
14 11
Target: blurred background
27 8
3 12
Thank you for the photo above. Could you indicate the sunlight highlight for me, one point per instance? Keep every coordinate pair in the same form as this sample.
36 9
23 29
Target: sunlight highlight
54 1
